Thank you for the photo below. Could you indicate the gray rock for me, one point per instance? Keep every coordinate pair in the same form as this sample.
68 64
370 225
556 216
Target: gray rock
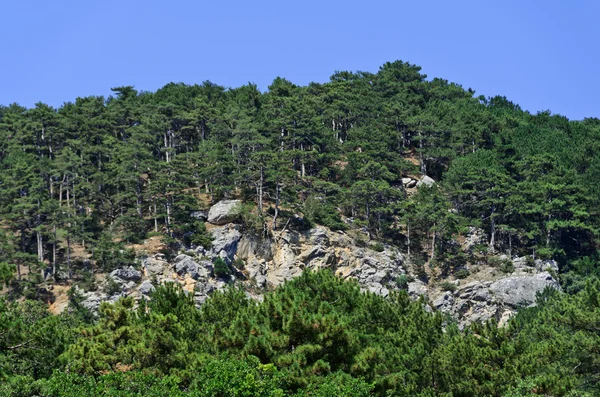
250 245
154 266
417 289
226 239
444 302
406 181
200 215
146 288
224 212
187 265
521 290
425 180
127 274
411 184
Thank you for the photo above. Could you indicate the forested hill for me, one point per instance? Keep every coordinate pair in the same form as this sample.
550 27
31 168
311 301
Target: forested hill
98 171
88 188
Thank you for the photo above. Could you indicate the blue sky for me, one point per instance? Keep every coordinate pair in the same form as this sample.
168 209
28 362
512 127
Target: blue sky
540 54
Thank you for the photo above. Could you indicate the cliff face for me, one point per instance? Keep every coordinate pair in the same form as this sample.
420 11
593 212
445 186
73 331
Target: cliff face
260 264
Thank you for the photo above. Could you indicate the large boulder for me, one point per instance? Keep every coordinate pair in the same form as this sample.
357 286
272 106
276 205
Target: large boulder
185 264
425 180
225 239
522 290
224 212
126 274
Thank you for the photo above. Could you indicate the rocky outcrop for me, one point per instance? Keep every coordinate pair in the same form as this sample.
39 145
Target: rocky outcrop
224 212
126 274
265 263
500 299
521 290
186 265
225 241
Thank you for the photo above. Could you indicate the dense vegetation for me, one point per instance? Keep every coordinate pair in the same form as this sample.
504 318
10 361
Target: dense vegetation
98 174
314 336
136 162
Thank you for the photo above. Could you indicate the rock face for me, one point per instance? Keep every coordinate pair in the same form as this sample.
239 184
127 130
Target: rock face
225 241
127 274
270 263
483 300
521 290
223 212
264 263
186 265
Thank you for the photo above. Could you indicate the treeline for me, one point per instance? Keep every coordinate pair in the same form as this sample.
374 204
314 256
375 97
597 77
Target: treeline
314 336
101 170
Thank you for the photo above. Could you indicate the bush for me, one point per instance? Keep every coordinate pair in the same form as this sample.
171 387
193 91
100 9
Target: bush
448 286
462 273
507 267
402 282
222 270
377 247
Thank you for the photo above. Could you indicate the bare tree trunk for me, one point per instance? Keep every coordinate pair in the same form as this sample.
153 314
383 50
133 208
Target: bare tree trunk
40 246
277 198
408 238
433 245
155 218
260 190
54 250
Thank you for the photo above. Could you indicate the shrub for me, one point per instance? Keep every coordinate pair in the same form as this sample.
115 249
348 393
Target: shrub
462 273
222 270
377 247
448 286
402 281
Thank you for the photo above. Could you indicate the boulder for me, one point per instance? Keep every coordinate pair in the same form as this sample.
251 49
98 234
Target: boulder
425 180
521 290
224 212
184 264
146 288
154 266
417 289
406 181
127 274
225 239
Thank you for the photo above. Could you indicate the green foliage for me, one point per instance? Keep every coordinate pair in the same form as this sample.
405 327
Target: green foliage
222 269
462 273
448 286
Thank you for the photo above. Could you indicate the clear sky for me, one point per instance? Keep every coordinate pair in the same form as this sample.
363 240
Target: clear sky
540 54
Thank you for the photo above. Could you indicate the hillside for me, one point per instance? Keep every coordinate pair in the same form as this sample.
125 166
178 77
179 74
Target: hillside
414 187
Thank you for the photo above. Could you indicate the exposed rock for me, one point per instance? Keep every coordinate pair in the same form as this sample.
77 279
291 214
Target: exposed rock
250 245
417 289
126 274
91 300
154 266
522 290
223 212
200 215
411 184
146 288
184 264
406 181
475 236
425 180
226 239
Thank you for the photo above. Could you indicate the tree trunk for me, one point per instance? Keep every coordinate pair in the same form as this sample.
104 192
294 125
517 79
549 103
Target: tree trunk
432 245
277 197
408 239
54 250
